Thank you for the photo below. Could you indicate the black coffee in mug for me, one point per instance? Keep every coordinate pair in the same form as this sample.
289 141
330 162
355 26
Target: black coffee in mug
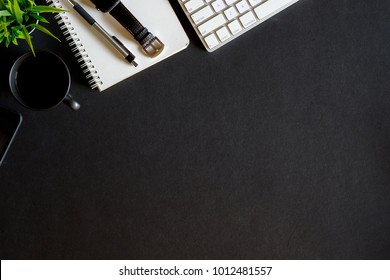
41 82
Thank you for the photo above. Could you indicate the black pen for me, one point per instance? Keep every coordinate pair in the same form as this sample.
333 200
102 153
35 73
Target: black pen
114 41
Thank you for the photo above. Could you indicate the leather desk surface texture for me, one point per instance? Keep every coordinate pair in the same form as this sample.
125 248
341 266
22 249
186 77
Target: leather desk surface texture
276 146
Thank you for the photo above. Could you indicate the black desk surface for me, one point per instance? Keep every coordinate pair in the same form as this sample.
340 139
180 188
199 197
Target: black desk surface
276 146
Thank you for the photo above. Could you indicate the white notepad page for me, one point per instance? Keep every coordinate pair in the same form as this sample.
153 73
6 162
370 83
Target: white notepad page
103 65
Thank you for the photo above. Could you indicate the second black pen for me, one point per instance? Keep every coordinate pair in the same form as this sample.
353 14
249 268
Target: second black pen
118 45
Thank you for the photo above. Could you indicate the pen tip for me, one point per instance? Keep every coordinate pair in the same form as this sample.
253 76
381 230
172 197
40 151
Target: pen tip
130 57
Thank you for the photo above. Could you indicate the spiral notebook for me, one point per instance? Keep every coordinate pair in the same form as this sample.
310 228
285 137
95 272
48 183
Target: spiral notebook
102 65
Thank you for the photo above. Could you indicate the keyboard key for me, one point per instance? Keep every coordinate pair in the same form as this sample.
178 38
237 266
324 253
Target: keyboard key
211 41
229 2
234 27
270 7
211 24
242 6
218 5
248 19
223 34
193 5
231 13
202 14
255 2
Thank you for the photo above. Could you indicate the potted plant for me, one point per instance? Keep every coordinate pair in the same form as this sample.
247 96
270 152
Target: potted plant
19 17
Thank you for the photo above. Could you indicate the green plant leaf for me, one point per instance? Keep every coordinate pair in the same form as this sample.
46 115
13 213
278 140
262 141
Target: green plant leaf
14 40
17 33
18 12
28 39
5 13
5 24
30 3
24 3
44 30
40 18
46 9
9 7
7 42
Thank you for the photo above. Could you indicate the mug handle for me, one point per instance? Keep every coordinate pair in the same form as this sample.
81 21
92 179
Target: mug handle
73 104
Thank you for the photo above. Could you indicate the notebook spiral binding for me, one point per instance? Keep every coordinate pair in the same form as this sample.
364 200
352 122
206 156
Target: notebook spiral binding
76 45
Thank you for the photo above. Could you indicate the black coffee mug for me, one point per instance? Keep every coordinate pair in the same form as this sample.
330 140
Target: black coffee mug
41 82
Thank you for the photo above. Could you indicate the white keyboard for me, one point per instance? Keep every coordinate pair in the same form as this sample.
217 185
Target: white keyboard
218 22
